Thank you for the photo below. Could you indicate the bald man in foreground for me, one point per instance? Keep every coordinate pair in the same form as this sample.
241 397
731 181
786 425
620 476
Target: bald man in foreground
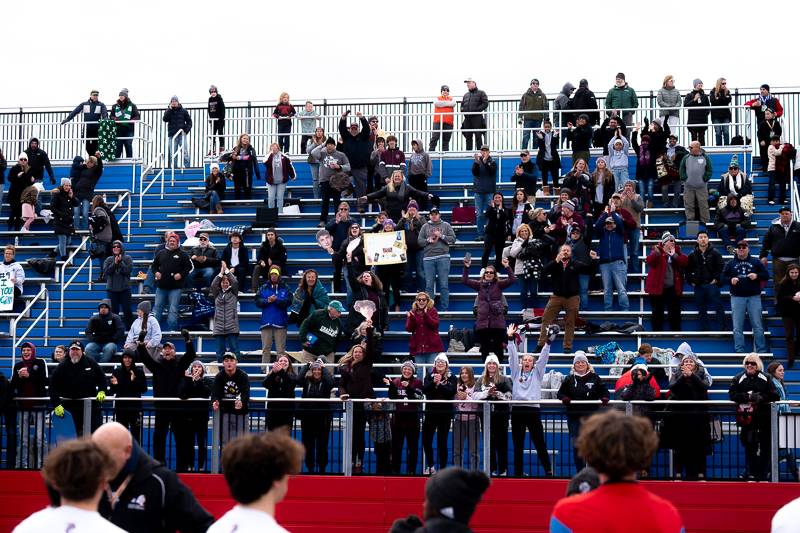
145 496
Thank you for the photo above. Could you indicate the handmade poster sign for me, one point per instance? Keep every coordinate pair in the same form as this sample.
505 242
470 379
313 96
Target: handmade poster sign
6 292
387 248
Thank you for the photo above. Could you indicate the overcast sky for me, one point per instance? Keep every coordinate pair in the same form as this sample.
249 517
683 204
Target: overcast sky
357 48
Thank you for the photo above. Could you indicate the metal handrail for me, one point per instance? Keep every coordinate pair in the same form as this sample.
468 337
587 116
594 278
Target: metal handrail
83 244
43 293
794 193
173 155
159 176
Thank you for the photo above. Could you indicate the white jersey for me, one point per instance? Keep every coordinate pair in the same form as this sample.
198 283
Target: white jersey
787 519
241 520
66 519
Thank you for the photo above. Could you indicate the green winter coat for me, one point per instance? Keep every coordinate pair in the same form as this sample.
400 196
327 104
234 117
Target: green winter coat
621 98
533 101
326 329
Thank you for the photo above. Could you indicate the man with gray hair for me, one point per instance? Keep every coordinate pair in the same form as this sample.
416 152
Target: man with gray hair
695 171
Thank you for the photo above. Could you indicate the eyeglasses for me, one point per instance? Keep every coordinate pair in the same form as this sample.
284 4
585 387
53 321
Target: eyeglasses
422 299
203 238
750 363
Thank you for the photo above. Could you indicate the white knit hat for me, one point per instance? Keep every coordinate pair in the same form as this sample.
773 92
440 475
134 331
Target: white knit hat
442 357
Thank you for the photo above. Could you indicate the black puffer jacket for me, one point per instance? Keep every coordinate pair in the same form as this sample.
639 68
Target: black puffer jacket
757 389
61 206
586 387
83 186
357 148
276 254
698 109
177 119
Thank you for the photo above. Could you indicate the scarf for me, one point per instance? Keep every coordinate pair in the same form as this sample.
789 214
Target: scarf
735 183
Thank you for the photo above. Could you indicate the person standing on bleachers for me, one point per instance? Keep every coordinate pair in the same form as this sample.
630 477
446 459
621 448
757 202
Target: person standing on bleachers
547 159
670 172
177 119
230 395
279 171
271 253
695 171
315 417
613 270
28 379
13 269
489 309
171 267
273 298
443 111
437 236
768 126
745 274
105 333
484 183
782 241
62 205
237 258
331 162
318 139
216 116
195 385
669 97
357 146
473 104
40 162
664 283
704 272
338 230
580 137
396 195
20 177
622 98
698 110
245 166
607 131
92 111
75 378
532 110
225 292
787 295
128 381
104 230
124 113
618 151
630 207
351 255
280 382
320 332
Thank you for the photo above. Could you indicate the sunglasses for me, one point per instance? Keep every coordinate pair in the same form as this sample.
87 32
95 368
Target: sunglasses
422 299
524 155
741 247
750 363
116 246
492 272
203 238
344 209
23 158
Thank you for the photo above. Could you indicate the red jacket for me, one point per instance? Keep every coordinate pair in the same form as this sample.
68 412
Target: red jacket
625 380
776 105
657 263
424 329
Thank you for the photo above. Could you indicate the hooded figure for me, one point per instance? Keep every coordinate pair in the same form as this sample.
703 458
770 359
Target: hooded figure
562 102
145 324
731 221
39 161
585 99
419 169
684 351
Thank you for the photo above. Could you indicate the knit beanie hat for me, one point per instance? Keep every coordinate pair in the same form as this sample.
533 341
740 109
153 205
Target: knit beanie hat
584 481
667 237
454 492
734 162
66 181
696 82
442 357
569 204
621 75
123 92
412 203
580 355
492 358
144 306
409 363
174 99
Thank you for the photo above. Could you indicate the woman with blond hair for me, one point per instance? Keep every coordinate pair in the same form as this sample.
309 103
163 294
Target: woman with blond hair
494 386
284 112
245 164
720 98
396 195
422 321
668 96
752 390
525 248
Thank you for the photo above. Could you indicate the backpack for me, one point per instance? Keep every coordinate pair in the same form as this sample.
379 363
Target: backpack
460 339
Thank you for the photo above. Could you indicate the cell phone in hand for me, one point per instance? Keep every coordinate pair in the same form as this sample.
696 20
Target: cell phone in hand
468 256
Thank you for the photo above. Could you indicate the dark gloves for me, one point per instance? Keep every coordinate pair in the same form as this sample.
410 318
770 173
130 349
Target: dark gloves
566 400
756 397
552 333
185 335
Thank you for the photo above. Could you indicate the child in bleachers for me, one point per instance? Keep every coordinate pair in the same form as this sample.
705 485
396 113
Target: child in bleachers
29 198
284 112
618 148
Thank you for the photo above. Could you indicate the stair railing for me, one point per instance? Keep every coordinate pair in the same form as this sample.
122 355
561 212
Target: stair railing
158 177
44 295
177 154
794 193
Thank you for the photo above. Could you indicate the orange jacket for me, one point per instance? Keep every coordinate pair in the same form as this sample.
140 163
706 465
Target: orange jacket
443 110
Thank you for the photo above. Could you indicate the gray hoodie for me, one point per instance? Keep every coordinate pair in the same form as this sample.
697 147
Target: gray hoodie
118 274
442 245
419 162
325 160
561 102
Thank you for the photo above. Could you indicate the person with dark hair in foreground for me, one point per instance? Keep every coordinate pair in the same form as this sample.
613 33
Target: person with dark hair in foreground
79 470
617 446
257 467
451 496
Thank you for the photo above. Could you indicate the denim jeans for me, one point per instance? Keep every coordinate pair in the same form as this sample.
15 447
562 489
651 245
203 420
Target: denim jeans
414 268
528 291
438 268
528 125
646 189
202 277
620 176
482 201
722 134
750 305
583 283
108 350
149 285
614 276
61 247
705 297
315 179
180 140
83 208
724 233
633 250
275 195
32 438
427 359
213 201
171 297
224 342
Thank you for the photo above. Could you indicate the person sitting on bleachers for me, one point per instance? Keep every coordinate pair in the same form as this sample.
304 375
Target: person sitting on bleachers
639 388
320 332
738 183
146 324
397 193
745 274
215 186
684 351
205 262
704 271
309 296
105 333
237 257
731 223
664 283
10 267
613 269
645 355
273 298
171 267
271 253
225 291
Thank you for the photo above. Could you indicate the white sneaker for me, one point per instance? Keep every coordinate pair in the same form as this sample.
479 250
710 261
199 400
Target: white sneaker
429 470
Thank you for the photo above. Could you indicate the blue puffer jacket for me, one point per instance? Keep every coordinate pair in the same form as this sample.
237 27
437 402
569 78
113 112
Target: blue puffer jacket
274 314
612 243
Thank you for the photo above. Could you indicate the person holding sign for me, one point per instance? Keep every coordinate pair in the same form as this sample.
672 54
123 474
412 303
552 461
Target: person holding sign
392 274
12 277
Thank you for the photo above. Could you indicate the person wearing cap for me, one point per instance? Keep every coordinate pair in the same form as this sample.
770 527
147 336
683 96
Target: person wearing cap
279 171
704 271
621 98
168 370
611 251
204 262
171 267
357 146
695 171
533 108
28 379
745 275
75 378
451 497
484 185
122 113
439 384
315 416
731 222
580 136
91 111
63 204
148 325
765 101
443 113
494 386
216 118
766 128
782 241
230 394
178 119
753 388
473 104
194 429
525 174
331 162
405 422
617 447
225 292
527 373
320 332
273 298
736 182
664 282
437 236
547 158
128 381
581 384
105 332
697 117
